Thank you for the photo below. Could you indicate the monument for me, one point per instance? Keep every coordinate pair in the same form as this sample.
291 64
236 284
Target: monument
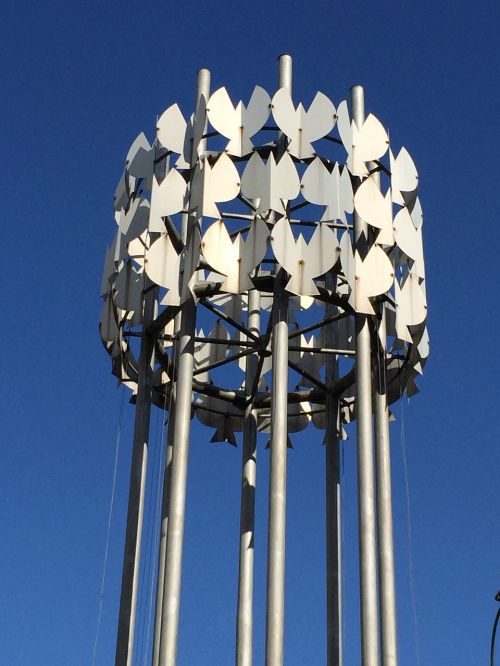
267 275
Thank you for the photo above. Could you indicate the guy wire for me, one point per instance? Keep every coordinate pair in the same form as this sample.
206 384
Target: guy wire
147 560
157 521
108 530
411 570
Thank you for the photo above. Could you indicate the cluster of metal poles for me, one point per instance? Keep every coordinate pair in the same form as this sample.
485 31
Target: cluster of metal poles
376 558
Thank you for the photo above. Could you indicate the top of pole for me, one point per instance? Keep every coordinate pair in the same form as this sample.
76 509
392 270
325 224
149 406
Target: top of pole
203 85
358 115
285 71
358 104
203 80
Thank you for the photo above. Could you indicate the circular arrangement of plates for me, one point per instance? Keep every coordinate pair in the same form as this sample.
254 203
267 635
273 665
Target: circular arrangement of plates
261 196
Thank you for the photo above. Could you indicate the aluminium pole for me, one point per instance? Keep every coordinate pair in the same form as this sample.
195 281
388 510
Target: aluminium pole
135 514
387 587
167 474
160 585
244 623
183 400
385 540
365 462
333 498
275 610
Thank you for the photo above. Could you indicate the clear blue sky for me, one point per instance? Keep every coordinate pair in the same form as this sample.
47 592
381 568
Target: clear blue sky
79 81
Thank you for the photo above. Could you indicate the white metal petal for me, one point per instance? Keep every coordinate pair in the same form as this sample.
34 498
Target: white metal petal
121 196
285 183
224 181
194 132
411 306
128 286
162 263
331 189
347 261
404 176
423 345
109 268
374 276
140 158
303 127
370 141
344 126
270 184
316 183
240 123
135 221
108 326
171 129
375 209
257 111
409 240
304 261
284 112
417 214
167 198
214 184
137 248
346 192
319 120
235 258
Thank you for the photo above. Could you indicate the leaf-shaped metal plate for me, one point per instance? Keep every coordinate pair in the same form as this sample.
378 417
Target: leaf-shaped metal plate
300 126
304 261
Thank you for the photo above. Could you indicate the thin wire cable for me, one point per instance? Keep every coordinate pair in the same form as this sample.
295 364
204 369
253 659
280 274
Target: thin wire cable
153 534
108 531
493 635
153 531
160 481
342 537
146 559
156 524
411 570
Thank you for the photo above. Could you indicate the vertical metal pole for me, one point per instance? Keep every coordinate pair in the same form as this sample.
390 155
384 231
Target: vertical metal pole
167 475
132 551
244 624
333 501
277 475
277 483
385 541
173 566
366 486
163 533
387 587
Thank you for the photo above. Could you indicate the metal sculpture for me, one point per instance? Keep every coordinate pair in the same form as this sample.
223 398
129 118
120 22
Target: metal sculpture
294 237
